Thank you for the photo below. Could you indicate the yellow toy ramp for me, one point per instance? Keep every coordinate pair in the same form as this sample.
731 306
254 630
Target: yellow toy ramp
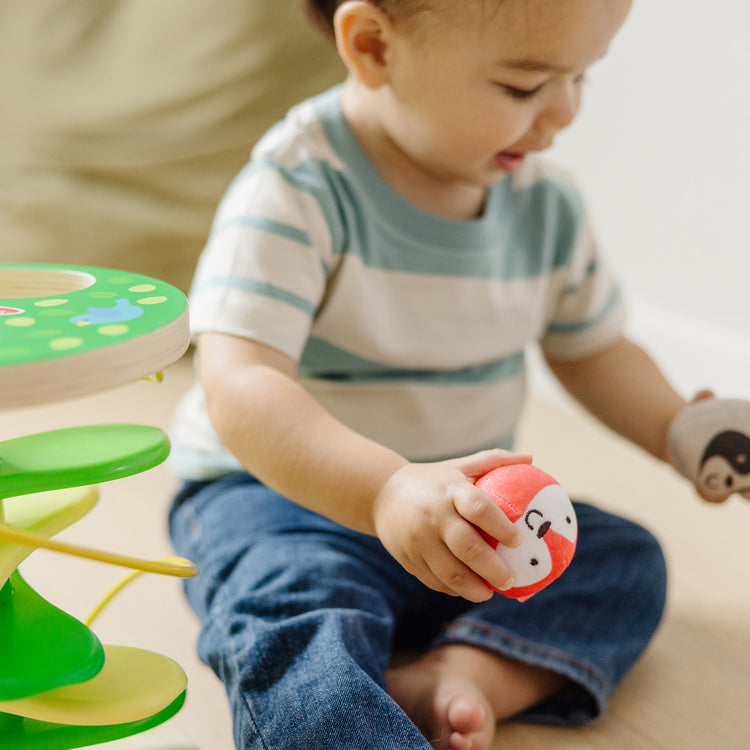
44 513
132 685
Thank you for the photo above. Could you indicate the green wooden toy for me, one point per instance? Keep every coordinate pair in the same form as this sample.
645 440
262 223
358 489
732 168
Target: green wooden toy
67 331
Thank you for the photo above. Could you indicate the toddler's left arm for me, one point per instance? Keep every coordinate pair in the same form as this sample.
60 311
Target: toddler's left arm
625 389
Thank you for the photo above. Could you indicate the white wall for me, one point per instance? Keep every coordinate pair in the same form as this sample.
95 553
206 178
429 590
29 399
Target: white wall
661 152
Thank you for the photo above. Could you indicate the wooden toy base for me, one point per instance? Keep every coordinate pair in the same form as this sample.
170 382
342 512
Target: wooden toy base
161 738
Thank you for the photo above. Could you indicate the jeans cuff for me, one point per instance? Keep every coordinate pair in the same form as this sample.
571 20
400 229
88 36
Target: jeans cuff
582 702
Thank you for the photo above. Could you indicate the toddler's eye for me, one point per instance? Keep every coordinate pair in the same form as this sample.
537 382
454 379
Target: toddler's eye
520 94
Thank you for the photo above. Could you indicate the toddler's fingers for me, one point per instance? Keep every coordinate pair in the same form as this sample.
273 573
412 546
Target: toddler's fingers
438 569
703 394
480 510
426 575
420 568
459 579
477 464
471 549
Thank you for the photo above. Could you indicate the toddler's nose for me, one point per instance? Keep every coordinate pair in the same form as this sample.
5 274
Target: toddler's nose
560 110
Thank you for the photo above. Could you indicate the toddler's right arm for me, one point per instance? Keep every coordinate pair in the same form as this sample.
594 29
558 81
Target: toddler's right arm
426 515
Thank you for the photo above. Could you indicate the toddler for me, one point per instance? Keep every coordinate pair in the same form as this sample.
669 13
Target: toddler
361 311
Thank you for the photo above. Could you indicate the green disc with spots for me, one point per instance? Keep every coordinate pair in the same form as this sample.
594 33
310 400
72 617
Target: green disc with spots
70 330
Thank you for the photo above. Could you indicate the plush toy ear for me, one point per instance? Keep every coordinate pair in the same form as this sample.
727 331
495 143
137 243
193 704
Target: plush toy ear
709 443
363 35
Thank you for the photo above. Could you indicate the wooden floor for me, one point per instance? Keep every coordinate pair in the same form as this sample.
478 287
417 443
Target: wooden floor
689 692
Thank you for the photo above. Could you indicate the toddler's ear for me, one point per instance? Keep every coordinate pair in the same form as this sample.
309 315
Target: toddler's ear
363 33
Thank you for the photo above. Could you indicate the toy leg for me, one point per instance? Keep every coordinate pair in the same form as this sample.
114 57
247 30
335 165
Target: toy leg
297 619
590 625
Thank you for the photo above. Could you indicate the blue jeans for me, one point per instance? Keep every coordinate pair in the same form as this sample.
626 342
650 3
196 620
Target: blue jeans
300 616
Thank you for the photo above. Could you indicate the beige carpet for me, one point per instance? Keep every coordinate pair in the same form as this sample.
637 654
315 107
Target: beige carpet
689 692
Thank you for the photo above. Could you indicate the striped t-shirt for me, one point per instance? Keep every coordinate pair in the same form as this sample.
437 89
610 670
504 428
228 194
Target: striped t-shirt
409 328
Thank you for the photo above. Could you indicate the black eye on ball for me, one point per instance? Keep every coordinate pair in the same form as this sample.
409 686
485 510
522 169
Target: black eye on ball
534 561
567 519
729 482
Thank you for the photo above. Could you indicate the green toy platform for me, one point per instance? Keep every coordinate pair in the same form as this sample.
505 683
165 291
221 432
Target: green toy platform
68 331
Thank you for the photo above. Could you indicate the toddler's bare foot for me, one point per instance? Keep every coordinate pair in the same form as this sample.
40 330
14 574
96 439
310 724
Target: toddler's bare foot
447 707
456 694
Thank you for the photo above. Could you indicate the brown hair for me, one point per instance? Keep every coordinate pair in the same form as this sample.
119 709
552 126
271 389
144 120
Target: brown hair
322 11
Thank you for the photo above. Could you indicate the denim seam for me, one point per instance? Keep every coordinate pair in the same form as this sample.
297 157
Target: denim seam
218 607
506 643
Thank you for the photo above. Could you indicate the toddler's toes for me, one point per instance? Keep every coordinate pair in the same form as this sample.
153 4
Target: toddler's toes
469 722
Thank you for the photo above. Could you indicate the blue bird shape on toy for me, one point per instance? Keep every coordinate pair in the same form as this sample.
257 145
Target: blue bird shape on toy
121 312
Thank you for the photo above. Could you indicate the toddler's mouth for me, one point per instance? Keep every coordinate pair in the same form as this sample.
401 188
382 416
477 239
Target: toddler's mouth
509 162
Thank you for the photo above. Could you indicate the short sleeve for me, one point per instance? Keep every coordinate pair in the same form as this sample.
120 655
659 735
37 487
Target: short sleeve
263 272
588 311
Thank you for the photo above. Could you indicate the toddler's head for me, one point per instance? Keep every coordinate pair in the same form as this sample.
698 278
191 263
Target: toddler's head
455 93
